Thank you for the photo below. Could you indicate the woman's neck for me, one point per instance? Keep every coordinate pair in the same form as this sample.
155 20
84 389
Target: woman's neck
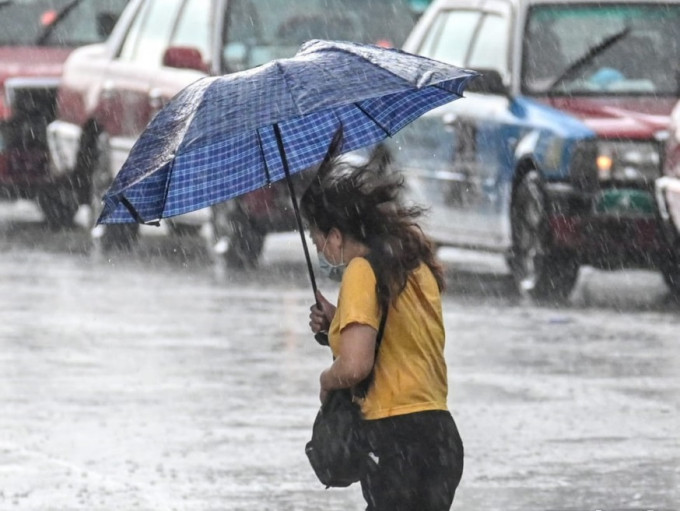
353 248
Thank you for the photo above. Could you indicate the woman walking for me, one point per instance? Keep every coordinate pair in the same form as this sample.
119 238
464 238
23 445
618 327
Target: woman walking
371 242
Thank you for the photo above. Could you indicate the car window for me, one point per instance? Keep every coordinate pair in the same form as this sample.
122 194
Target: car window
65 23
449 36
644 41
257 31
193 27
84 22
490 48
149 35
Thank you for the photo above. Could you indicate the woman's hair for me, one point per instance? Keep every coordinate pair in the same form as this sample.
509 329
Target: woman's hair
363 202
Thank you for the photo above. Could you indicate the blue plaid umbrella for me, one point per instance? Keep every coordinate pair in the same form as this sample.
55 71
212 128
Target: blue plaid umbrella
217 139
224 136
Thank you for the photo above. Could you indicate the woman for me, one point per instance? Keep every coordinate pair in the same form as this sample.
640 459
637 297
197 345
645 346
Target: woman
366 238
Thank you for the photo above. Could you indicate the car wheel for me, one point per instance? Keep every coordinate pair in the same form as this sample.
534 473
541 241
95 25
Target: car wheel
110 236
59 205
237 238
540 271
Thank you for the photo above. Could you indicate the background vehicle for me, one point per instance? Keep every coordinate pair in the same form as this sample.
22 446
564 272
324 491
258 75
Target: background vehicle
668 198
109 92
551 158
36 36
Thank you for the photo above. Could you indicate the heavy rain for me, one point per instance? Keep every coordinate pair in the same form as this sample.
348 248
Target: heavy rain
156 380
173 367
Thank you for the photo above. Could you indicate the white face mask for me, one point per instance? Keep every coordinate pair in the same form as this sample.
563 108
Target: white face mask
330 270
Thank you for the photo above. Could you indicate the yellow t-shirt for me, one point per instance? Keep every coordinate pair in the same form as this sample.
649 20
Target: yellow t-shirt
410 370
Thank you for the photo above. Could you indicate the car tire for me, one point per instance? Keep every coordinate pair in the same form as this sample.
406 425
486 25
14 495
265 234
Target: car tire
110 236
243 239
540 271
59 205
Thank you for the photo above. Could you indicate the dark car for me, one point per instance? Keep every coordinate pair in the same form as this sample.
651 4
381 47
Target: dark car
668 198
109 92
552 156
36 36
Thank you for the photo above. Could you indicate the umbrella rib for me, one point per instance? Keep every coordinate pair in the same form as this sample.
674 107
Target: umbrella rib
135 214
375 121
167 185
264 159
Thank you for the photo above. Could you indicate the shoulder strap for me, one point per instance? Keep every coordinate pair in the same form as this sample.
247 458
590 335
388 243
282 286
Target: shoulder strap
381 331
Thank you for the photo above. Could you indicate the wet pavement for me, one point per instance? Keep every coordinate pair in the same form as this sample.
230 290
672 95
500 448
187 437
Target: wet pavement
158 381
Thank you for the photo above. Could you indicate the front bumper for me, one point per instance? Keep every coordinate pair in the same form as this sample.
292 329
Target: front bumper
612 228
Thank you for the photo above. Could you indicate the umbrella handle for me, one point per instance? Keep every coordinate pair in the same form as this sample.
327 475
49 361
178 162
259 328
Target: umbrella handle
320 337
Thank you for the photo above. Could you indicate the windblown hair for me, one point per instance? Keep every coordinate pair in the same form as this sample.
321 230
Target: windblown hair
363 201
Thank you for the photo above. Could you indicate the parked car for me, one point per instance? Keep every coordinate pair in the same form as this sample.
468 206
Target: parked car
552 156
109 92
668 198
36 36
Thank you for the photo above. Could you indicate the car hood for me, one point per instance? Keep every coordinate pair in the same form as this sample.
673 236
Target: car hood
31 62
635 118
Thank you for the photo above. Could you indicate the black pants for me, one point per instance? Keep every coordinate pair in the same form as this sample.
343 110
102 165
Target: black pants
415 464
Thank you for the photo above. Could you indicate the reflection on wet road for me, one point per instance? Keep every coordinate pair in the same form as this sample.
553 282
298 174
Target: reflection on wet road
156 380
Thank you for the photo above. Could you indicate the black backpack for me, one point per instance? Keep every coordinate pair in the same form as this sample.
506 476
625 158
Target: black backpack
335 450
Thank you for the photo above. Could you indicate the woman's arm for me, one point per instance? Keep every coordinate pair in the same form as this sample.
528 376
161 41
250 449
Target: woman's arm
355 359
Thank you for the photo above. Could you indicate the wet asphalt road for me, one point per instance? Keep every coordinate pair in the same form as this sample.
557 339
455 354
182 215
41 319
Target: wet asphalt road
157 381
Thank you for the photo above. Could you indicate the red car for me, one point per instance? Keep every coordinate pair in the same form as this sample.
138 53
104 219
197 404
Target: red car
109 92
668 199
36 36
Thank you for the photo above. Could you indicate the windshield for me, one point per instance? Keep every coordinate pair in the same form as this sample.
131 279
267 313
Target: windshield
65 23
589 49
258 30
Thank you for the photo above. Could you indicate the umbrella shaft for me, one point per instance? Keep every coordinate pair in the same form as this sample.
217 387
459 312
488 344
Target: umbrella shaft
298 218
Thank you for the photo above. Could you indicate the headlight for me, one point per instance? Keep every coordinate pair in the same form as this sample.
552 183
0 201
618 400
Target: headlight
628 161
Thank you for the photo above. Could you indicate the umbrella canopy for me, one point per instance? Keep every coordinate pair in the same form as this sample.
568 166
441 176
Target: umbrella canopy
225 136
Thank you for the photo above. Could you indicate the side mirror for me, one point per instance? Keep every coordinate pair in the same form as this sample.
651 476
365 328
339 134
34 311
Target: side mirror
184 57
489 81
105 23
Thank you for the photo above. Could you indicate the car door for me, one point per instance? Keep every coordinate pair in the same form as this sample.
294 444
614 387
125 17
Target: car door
482 126
125 96
427 150
461 173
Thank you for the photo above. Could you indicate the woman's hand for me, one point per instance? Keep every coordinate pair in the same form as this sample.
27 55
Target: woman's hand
320 318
